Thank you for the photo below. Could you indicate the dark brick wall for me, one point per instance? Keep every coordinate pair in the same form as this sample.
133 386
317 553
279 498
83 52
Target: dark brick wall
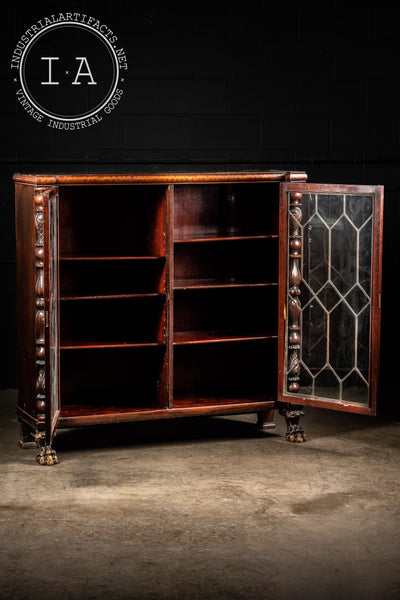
224 85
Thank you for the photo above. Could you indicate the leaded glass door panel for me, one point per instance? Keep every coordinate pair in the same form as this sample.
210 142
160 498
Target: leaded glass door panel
331 295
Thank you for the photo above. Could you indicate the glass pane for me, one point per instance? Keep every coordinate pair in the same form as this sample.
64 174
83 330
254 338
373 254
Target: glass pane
355 388
359 209
308 209
342 355
315 329
343 255
330 207
327 384
315 253
329 352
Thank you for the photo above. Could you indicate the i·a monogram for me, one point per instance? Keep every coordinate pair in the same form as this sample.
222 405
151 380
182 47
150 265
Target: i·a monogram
80 72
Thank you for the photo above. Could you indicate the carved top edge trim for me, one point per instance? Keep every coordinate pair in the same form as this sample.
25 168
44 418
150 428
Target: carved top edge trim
217 177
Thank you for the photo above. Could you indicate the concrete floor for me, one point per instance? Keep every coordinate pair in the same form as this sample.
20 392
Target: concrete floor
203 509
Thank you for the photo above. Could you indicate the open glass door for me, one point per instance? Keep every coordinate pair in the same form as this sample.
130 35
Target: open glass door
330 298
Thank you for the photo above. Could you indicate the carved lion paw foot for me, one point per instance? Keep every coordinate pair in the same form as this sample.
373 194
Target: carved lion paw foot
47 456
296 434
297 437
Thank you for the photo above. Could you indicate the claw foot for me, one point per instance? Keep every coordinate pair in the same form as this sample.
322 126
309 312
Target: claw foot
47 456
292 414
296 435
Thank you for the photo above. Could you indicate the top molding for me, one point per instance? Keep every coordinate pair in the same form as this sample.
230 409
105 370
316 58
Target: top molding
162 178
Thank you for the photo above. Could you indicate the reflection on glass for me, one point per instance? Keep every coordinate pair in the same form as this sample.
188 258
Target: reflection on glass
335 296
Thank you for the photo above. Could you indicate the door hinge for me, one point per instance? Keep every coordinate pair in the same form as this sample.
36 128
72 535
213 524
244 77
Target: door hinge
379 300
47 318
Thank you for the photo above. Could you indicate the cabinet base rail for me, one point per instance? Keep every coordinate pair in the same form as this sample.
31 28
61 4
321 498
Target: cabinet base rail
31 437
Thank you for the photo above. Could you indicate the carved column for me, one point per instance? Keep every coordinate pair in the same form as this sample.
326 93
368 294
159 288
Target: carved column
46 455
292 413
294 306
40 311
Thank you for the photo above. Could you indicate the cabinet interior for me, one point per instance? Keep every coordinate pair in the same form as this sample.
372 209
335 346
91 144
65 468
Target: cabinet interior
168 295
126 222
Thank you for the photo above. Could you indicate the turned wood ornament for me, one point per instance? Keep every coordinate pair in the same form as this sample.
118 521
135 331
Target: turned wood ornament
294 305
40 314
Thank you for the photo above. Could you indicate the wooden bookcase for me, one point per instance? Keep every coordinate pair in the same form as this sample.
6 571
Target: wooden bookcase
160 296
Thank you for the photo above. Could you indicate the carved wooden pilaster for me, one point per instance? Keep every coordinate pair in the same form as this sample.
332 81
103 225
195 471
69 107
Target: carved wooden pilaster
294 306
40 326
46 455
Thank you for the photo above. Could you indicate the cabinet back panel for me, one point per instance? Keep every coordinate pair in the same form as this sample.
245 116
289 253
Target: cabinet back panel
237 311
127 320
236 261
225 370
225 210
112 377
113 220
93 277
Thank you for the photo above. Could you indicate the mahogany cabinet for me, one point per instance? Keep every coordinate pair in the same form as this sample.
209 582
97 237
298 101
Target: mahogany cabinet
169 295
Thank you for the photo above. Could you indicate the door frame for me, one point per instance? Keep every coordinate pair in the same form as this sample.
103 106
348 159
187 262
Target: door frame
376 295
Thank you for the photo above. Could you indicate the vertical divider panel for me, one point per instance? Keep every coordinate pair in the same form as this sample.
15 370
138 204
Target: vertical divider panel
170 296
160 242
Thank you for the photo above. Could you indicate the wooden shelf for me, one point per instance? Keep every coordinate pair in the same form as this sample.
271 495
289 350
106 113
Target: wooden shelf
111 296
192 284
192 400
85 410
93 345
78 415
220 238
72 257
204 337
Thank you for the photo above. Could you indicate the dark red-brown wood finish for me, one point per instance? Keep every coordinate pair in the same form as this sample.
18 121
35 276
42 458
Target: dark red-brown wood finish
26 302
160 178
171 298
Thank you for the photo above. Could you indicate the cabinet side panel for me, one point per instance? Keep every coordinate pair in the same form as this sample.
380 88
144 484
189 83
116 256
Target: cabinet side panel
25 233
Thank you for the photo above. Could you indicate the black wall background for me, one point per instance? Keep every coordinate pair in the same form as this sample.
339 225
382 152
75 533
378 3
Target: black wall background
227 85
